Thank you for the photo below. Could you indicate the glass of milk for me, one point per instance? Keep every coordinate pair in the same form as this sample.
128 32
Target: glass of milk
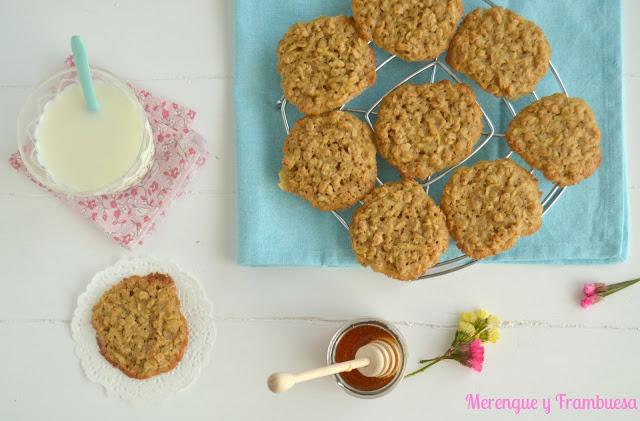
74 151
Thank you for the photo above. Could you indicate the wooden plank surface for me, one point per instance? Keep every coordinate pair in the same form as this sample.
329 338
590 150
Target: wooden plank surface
183 50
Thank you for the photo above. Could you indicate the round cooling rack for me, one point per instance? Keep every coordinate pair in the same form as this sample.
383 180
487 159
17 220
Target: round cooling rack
552 195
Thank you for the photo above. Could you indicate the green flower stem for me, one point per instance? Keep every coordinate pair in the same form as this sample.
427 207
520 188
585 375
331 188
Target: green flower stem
427 361
478 333
619 286
421 369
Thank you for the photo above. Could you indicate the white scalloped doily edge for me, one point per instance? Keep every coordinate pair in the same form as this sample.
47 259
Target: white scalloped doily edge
196 308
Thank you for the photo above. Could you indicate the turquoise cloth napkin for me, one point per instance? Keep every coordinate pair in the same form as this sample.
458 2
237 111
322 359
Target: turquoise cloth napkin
587 225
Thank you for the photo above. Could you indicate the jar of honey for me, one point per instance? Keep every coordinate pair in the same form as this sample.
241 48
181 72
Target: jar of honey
349 339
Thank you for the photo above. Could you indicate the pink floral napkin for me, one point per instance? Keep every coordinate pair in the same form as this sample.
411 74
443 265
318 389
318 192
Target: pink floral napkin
129 216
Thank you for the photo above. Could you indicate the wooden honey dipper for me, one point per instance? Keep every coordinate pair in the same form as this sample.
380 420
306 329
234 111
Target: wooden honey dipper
376 359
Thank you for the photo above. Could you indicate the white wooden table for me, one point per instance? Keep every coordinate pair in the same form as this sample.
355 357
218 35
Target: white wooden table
183 50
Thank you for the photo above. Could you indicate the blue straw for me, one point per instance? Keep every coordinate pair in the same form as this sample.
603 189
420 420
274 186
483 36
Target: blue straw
84 73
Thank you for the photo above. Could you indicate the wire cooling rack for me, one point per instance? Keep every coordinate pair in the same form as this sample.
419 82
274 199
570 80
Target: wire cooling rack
461 261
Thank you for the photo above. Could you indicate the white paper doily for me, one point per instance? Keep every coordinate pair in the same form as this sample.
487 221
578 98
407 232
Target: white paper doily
195 306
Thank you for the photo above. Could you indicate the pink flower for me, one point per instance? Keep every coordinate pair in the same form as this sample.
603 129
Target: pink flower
477 355
191 114
595 292
470 354
589 289
14 162
592 293
588 301
173 173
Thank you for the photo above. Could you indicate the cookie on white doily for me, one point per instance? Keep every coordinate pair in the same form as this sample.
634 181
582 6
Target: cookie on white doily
195 306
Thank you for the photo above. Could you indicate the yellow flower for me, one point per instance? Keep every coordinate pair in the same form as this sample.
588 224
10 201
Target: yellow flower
482 314
468 316
478 324
494 335
466 328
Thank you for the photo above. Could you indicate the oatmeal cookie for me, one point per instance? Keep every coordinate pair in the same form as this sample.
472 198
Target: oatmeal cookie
414 30
504 53
324 63
490 205
422 129
399 231
139 326
558 136
329 160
